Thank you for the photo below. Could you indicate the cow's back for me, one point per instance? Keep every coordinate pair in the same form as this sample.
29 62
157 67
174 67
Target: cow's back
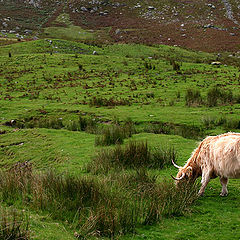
224 155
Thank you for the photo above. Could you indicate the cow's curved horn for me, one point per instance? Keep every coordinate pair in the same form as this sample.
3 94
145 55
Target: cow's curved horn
180 178
175 165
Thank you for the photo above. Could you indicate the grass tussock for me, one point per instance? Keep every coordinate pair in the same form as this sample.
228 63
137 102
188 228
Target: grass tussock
186 131
133 155
216 96
193 98
228 124
87 124
100 208
114 134
14 225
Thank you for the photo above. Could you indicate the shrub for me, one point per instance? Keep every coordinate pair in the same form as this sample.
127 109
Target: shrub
208 121
52 122
16 183
31 122
228 124
237 98
167 200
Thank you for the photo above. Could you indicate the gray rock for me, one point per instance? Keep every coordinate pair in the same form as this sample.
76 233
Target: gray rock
117 31
84 9
28 31
138 5
151 8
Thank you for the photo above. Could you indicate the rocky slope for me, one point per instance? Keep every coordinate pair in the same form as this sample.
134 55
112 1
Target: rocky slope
198 24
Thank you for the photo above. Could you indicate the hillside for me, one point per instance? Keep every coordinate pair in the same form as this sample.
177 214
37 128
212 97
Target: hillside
96 100
200 25
59 101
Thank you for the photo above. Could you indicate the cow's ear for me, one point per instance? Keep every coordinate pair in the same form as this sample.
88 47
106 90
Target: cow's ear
189 171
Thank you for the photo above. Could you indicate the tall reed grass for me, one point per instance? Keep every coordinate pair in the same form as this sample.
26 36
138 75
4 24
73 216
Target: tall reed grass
100 207
14 225
114 134
133 155
186 131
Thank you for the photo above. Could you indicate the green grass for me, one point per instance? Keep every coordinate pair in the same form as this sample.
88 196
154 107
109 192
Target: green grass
69 33
58 80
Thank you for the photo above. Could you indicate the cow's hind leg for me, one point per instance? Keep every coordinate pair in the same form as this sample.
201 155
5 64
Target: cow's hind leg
224 182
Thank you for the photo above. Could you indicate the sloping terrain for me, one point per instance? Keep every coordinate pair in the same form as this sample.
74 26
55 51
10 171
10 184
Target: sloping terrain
201 25
54 106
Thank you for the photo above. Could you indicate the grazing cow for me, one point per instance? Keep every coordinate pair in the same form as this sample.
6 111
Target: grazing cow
216 156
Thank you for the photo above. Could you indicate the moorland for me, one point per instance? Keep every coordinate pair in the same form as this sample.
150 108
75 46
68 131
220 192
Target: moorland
89 126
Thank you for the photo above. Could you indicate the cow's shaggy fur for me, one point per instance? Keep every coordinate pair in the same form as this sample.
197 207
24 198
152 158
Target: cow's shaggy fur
216 156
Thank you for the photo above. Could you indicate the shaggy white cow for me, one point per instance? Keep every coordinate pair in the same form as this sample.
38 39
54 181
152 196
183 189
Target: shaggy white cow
216 156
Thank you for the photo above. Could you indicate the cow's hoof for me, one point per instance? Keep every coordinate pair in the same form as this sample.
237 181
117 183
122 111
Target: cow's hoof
200 194
223 194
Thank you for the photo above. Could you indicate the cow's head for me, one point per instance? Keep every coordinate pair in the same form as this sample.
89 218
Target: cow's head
188 173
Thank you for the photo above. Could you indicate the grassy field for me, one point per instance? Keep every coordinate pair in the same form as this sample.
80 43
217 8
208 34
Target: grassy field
58 96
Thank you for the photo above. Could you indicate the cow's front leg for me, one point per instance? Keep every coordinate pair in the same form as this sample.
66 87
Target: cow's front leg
204 182
224 182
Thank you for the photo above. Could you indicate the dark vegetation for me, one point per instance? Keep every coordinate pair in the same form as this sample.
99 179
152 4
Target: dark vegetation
115 133
186 131
227 123
111 102
215 97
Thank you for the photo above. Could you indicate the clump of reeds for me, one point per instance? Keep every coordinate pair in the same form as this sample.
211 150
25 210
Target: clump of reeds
216 96
133 155
88 124
114 134
99 207
193 97
14 225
